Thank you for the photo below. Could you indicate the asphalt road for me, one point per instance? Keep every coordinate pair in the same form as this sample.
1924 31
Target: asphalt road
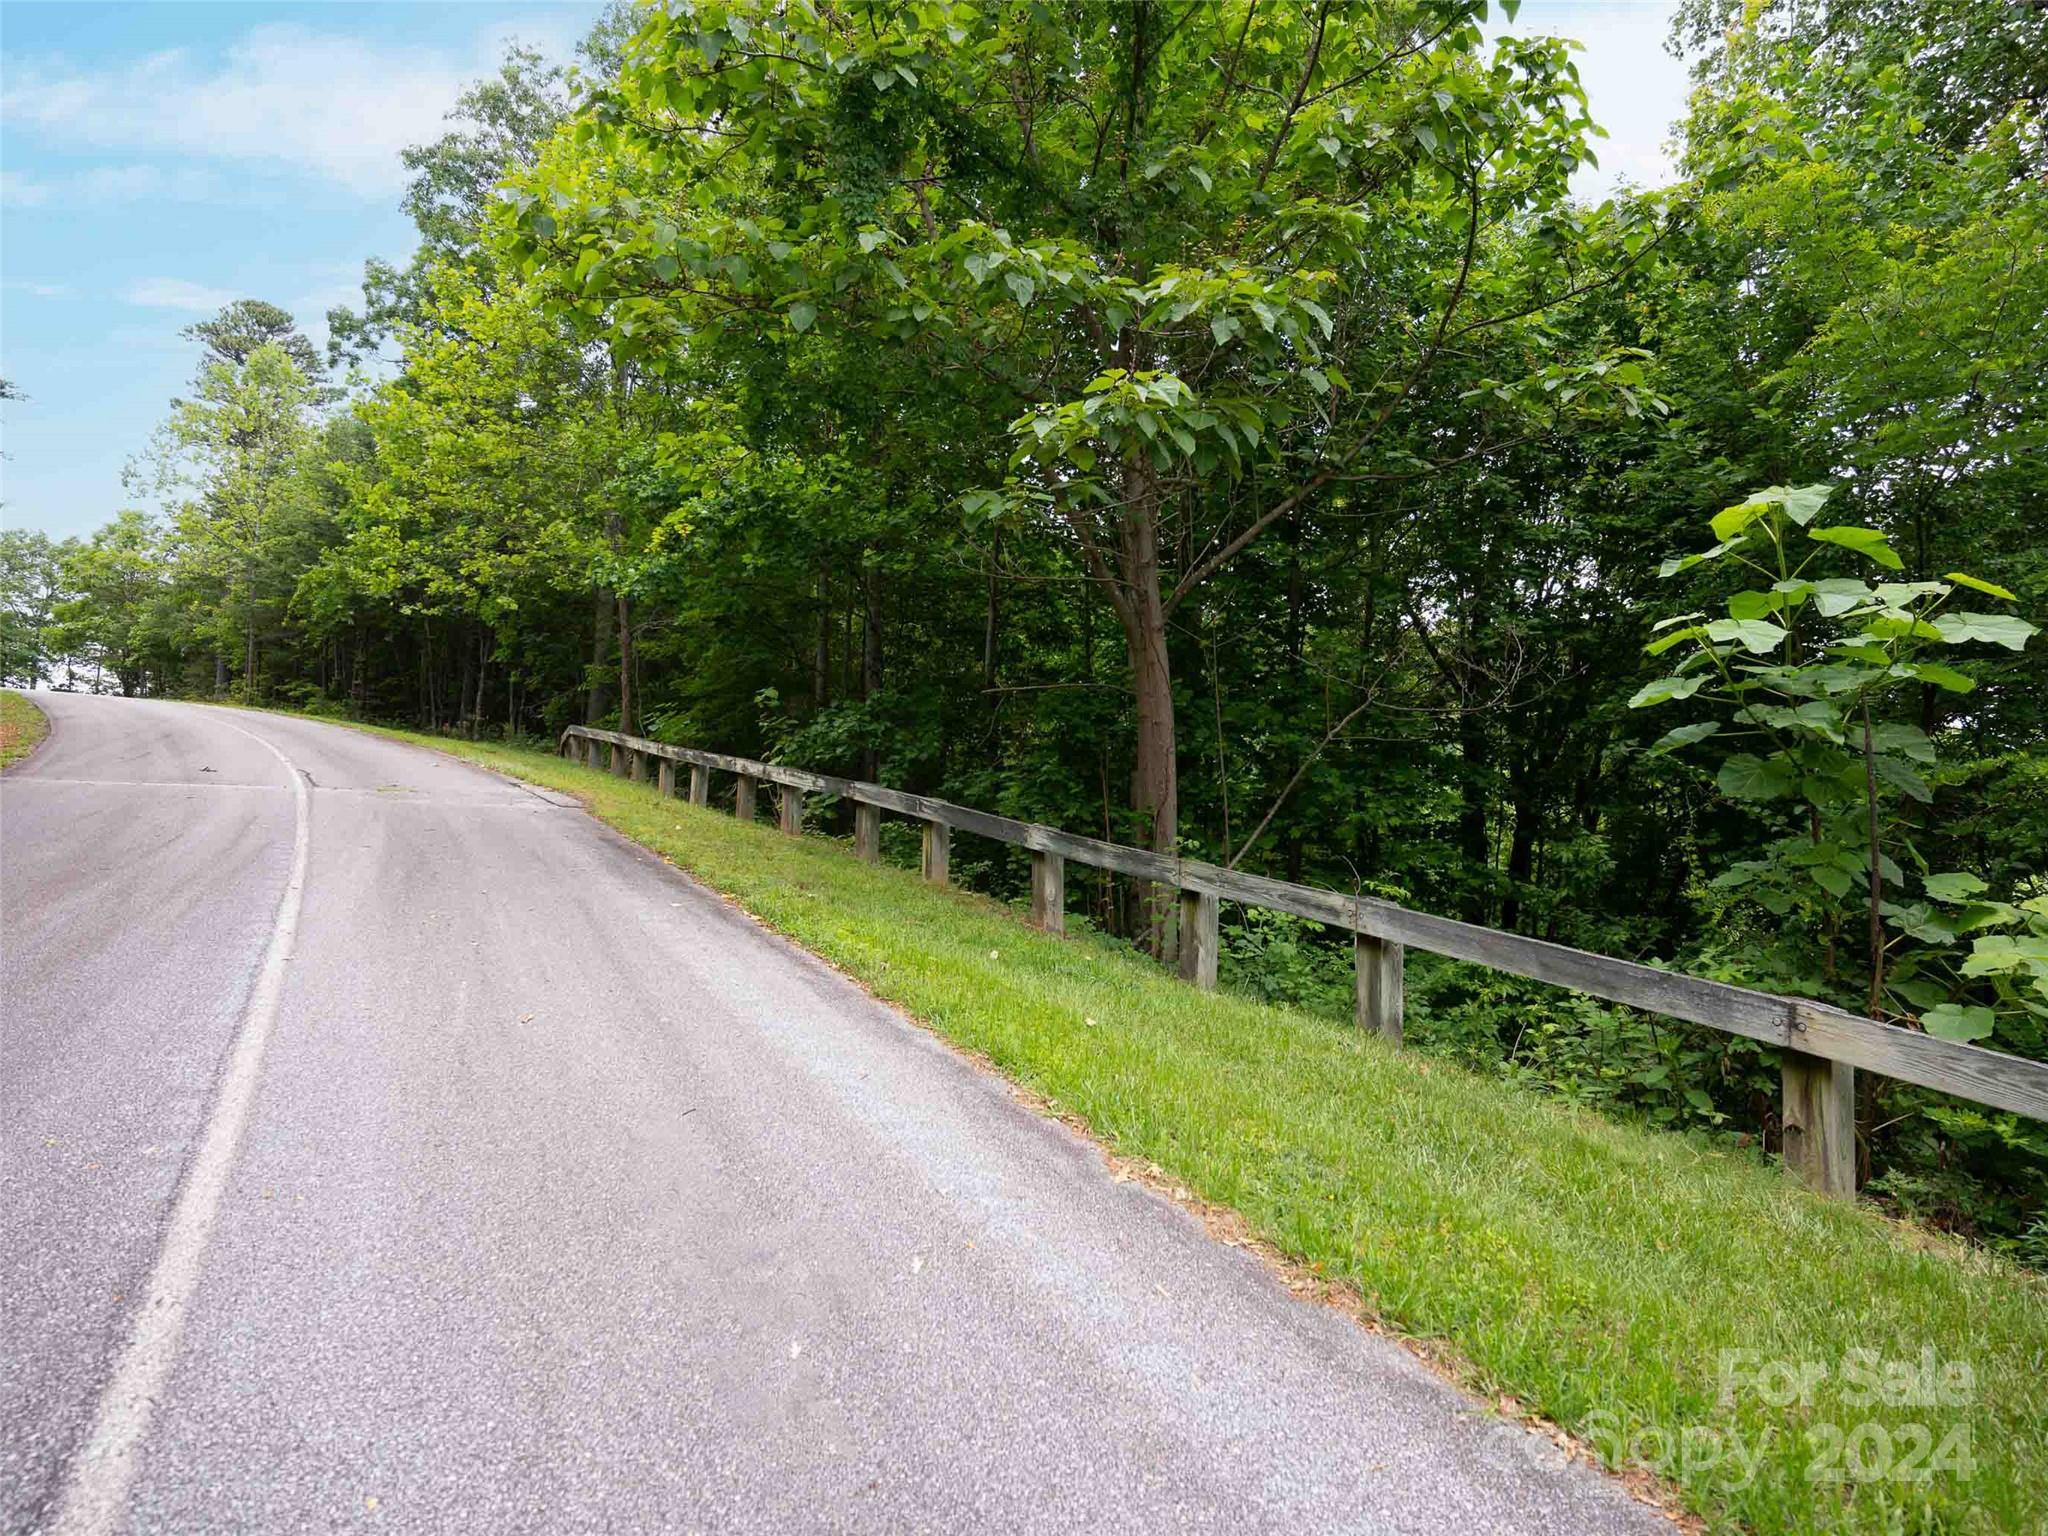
397 1149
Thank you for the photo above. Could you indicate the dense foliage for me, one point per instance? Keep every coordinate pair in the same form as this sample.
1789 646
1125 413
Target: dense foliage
1220 427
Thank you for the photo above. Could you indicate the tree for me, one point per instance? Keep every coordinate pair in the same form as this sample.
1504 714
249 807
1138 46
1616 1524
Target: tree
31 584
115 583
236 448
235 334
1145 229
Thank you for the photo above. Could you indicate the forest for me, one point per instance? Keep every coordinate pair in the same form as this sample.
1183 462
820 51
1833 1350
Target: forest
1220 427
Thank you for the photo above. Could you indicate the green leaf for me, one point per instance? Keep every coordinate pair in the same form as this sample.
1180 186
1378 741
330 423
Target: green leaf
1942 677
1803 503
1751 634
1895 773
1839 594
1831 880
1905 739
1664 643
1974 584
1683 736
1667 688
802 313
1677 563
1745 776
1958 1021
1731 522
1993 628
1865 541
1999 953
1953 887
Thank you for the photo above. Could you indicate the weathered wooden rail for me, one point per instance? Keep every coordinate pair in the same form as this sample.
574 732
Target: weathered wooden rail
1823 1047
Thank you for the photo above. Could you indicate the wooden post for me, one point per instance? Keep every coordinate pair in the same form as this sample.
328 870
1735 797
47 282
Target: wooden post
636 765
1380 986
1820 1123
700 784
1048 891
743 799
1199 914
867 831
619 756
792 810
938 852
665 777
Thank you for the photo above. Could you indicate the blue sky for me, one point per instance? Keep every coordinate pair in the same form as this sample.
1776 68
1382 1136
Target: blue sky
159 160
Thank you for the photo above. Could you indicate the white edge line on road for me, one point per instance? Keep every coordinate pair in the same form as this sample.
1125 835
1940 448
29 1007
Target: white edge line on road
96 1490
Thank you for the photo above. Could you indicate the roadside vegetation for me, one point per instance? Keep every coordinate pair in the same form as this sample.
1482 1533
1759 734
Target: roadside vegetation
1612 1279
1026 405
22 726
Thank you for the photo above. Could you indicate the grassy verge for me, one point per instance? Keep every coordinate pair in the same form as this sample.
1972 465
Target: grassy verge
1788 1364
22 726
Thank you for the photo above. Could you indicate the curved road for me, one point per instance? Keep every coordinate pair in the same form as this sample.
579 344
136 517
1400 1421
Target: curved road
389 1146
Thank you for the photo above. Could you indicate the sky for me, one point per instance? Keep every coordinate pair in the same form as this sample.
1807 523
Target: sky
160 160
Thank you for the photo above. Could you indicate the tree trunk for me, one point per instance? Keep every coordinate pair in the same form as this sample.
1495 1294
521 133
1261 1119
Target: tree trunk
870 655
1155 783
991 627
821 649
628 702
599 698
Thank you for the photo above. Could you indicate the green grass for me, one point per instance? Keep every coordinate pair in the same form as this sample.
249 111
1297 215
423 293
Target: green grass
22 726
1598 1273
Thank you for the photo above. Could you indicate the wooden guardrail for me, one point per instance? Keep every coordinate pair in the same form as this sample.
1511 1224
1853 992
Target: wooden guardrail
1823 1046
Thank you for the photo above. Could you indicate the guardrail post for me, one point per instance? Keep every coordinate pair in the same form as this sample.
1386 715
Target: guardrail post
700 784
792 810
867 831
1379 963
938 852
665 777
743 798
1200 912
1048 891
619 756
636 765
1820 1123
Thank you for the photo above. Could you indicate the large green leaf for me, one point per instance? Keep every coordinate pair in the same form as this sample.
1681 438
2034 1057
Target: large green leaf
1992 628
1683 736
1667 688
1757 635
1958 1021
1839 594
1865 541
1989 588
1731 522
1745 776
1904 738
1803 503
1942 677
1955 886
1677 563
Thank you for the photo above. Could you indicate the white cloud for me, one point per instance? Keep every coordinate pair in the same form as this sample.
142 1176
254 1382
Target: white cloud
38 290
335 106
111 186
177 293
